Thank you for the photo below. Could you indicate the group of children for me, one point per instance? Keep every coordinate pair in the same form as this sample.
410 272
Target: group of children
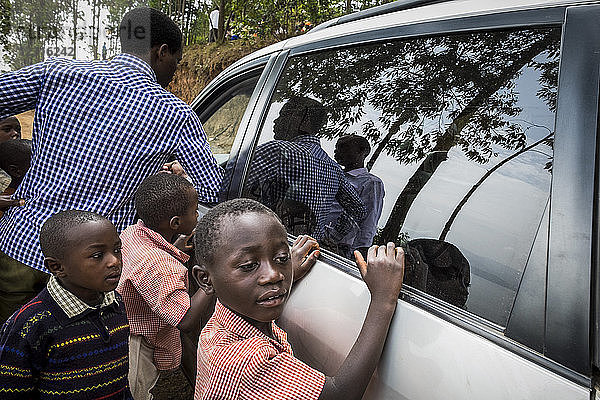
109 318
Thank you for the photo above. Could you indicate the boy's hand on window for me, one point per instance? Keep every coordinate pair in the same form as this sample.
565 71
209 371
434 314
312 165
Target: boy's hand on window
383 271
6 202
305 251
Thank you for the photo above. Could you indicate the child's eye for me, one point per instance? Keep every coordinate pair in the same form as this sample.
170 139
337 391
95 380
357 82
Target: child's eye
248 266
282 259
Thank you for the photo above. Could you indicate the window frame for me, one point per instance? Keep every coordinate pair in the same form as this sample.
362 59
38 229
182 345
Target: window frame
572 362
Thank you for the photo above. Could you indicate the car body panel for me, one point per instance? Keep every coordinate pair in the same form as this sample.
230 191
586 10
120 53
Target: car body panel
425 357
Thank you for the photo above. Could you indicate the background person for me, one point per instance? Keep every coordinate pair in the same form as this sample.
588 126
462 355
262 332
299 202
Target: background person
10 128
213 22
105 126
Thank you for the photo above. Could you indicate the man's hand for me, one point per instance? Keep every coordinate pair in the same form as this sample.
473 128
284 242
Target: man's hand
305 251
6 202
174 167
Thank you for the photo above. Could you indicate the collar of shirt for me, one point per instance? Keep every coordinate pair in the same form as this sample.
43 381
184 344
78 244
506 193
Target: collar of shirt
357 172
161 243
236 324
135 62
71 304
307 139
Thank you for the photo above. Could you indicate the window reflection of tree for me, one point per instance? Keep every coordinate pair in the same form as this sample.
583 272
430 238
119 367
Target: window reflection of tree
432 94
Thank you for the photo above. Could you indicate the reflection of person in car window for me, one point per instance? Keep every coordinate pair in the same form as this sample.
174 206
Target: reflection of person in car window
351 152
295 177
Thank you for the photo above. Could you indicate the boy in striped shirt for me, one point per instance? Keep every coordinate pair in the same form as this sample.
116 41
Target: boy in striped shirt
154 283
245 260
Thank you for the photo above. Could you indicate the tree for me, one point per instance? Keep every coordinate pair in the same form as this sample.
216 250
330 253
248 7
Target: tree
34 25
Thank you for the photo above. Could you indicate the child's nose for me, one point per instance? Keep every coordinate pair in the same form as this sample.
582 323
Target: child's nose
271 274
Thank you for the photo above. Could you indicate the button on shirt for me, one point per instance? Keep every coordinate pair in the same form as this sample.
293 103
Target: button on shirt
100 128
237 361
301 170
154 286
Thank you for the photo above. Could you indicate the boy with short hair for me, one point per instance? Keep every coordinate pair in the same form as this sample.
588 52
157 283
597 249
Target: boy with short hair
10 129
351 152
154 283
70 342
245 261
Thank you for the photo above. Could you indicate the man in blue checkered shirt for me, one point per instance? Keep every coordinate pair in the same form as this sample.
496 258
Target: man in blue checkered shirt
100 128
296 178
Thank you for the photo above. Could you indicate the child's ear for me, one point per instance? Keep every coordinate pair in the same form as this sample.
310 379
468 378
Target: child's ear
54 266
202 277
174 223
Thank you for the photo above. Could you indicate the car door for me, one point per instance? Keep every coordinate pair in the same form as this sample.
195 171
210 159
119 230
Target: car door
483 131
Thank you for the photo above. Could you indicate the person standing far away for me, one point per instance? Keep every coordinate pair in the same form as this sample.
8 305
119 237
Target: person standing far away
213 21
100 128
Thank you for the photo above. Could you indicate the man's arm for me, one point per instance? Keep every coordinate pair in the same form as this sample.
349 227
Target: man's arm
197 160
20 89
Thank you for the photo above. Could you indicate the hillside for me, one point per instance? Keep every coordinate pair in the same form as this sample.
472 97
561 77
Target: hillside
201 63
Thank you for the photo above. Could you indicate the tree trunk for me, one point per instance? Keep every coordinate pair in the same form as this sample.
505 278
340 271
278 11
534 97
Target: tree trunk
221 31
74 4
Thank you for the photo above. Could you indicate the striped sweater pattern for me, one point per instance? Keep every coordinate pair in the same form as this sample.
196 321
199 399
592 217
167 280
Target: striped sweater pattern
44 354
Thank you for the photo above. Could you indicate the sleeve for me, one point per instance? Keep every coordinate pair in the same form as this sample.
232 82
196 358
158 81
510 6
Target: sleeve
197 160
280 377
17 372
264 166
20 89
163 288
353 209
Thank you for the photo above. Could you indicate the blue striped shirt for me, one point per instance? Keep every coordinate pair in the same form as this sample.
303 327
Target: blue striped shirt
99 129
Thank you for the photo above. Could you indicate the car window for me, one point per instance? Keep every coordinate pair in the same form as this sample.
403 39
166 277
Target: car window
441 144
223 120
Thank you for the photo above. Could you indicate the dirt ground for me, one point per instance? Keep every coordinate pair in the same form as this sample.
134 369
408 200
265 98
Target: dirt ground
173 386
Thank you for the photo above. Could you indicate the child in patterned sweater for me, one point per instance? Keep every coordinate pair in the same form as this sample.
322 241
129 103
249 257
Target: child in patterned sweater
70 341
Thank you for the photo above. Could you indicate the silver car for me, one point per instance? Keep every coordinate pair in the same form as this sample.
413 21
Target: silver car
482 118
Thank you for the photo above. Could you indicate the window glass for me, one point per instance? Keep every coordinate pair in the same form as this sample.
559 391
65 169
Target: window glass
440 144
223 122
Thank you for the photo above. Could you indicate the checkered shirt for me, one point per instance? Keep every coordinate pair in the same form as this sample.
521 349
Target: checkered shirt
99 129
71 304
154 286
237 361
300 170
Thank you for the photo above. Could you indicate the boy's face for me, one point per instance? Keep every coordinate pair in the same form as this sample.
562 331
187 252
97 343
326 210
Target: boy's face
91 263
188 221
10 128
343 153
252 269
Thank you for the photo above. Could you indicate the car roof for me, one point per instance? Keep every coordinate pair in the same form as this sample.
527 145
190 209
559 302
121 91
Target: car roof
405 12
